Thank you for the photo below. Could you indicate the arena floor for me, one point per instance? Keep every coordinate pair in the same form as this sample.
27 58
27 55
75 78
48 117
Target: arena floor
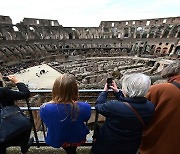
38 77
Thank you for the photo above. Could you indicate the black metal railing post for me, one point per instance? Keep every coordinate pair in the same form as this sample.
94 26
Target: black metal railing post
96 126
32 121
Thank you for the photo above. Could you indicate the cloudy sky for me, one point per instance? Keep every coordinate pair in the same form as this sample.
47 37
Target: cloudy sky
88 13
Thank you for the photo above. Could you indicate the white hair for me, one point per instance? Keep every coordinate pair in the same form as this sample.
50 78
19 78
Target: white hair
136 84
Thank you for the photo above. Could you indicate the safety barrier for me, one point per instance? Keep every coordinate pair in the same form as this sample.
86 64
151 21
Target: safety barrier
39 136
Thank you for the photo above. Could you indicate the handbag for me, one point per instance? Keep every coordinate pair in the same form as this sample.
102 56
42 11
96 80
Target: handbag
12 122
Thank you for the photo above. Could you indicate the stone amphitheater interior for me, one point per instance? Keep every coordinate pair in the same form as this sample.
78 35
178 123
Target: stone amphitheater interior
38 50
90 53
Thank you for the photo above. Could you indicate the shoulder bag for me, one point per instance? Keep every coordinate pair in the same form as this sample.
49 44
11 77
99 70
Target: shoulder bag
176 84
12 122
136 113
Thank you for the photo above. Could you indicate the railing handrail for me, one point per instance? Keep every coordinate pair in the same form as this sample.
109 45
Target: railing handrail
38 108
48 90
32 109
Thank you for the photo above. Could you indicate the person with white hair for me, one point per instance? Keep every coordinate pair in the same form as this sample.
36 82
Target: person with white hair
125 117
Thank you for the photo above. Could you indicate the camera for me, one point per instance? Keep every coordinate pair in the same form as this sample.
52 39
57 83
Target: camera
109 82
5 78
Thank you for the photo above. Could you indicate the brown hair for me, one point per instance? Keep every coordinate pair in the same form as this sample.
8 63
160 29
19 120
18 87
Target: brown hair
65 90
171 70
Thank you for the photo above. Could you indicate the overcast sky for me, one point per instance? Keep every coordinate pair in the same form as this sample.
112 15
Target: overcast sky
88 13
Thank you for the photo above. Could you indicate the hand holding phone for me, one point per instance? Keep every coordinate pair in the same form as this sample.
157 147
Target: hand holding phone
11 78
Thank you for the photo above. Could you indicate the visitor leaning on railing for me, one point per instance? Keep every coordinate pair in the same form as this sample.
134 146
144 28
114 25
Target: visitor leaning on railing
7 98
125 117
65 116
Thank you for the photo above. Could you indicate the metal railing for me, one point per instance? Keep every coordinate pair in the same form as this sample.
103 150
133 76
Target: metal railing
39 136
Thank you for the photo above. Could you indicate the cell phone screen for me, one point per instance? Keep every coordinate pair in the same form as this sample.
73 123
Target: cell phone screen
109 82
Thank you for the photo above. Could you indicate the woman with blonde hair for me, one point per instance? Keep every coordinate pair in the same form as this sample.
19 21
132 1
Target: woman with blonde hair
65 116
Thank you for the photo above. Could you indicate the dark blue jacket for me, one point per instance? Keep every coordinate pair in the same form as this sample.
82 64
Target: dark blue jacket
122 130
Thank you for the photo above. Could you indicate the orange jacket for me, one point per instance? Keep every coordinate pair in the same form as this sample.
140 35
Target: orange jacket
162 135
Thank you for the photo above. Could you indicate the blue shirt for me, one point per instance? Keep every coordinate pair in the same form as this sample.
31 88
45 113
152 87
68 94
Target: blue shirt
61 127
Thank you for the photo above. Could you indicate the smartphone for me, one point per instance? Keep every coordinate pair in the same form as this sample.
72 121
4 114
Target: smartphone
5 78
109 82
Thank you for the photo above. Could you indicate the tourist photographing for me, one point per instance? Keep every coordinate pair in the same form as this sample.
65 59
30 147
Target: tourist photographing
122 130
162 134
8 98
65 116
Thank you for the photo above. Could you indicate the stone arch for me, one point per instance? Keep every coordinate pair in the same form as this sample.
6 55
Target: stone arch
178 35
126 35
16 29
165 50
3 57
12 58
26 36
158 49
8 36
70 36
177 50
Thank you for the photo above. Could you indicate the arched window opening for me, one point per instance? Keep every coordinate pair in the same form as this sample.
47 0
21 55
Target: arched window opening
177 50
70 36
164 50
15 29
178 36
164 21
52 23
9 36
158 50
139 29
32 29
126 35
147 23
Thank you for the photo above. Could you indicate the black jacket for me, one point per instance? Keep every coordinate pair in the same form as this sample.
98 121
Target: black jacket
8 96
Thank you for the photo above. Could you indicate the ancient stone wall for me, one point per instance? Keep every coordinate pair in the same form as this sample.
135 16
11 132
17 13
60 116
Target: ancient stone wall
33 37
